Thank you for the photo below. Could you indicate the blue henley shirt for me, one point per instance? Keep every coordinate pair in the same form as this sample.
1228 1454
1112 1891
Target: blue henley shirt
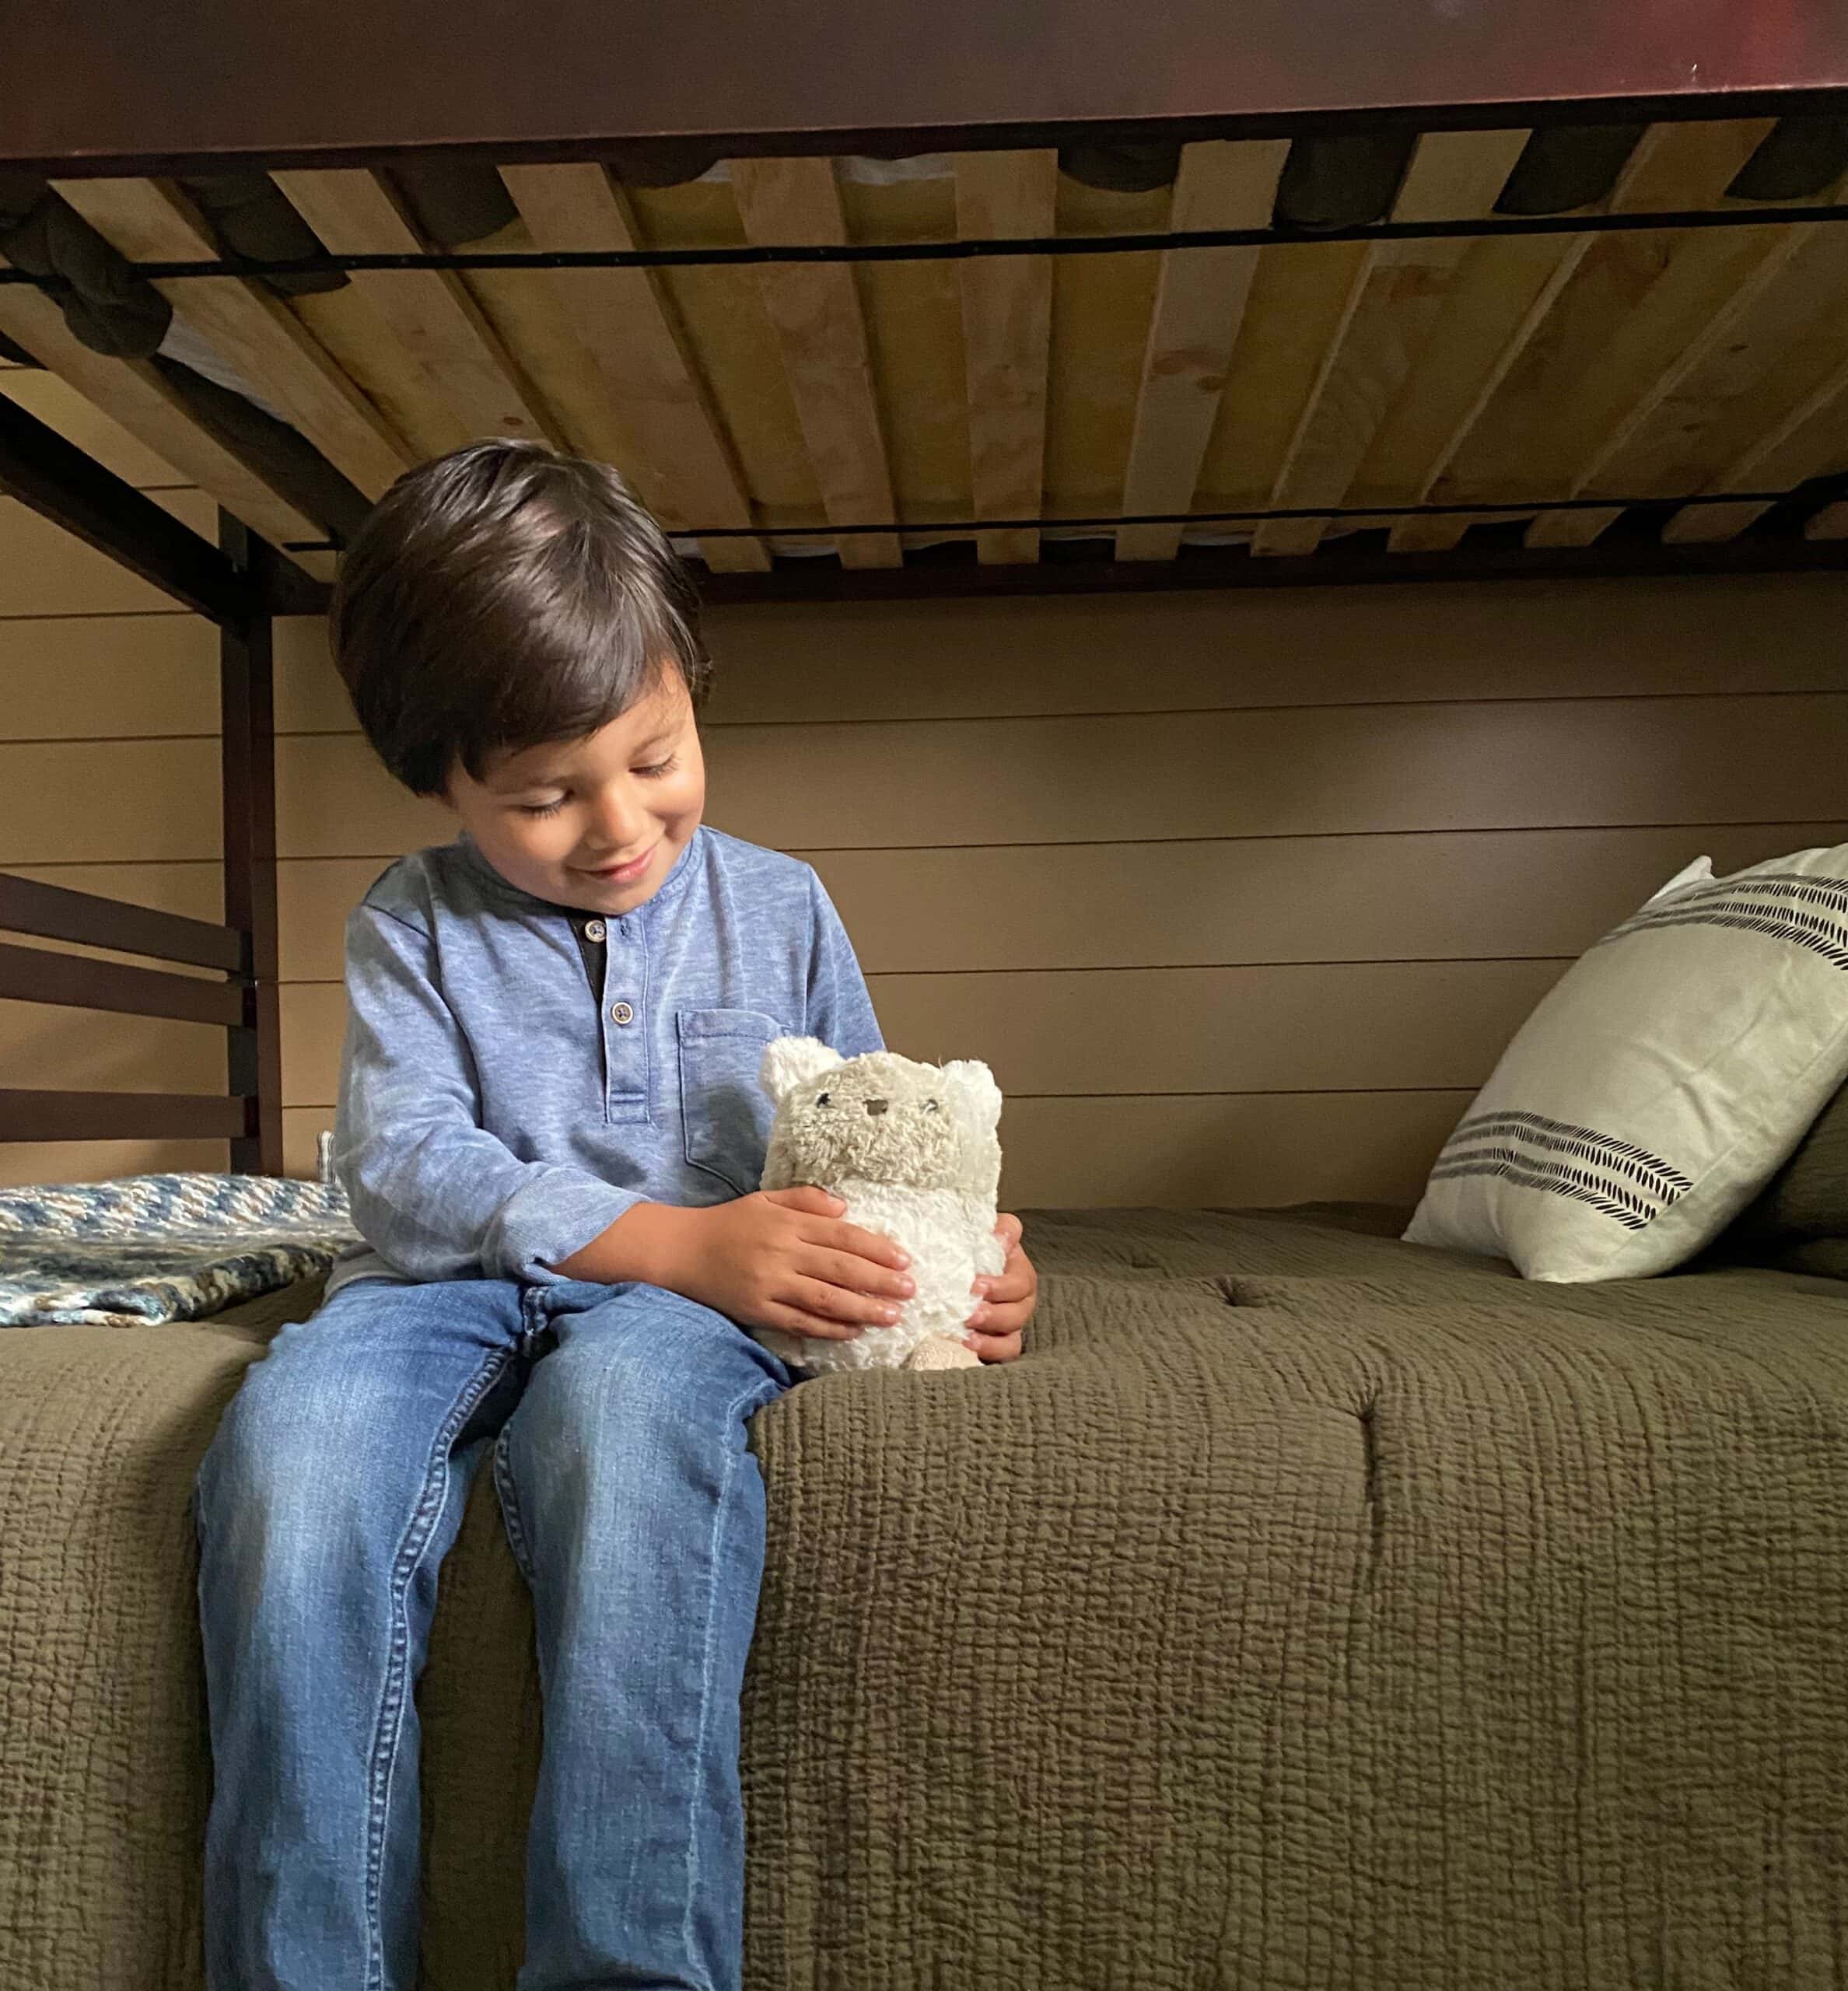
497 1113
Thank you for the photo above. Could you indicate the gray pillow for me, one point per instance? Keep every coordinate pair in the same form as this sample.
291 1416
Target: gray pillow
1807 1198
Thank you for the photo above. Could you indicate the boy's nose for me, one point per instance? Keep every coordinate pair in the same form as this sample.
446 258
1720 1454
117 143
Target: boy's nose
877 1105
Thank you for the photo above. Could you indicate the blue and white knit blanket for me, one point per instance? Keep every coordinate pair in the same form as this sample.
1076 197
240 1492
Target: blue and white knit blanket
160 1247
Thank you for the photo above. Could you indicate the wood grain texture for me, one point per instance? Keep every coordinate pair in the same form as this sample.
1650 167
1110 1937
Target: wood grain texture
1299 299
132 393
1811 438
1696 313
1200 304
1502 304
627 321
1007 322
1607 333
256 333
431 314
1705 434
821 333
1396 294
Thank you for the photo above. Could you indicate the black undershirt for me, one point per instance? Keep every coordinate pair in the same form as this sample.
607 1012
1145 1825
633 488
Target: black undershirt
594 954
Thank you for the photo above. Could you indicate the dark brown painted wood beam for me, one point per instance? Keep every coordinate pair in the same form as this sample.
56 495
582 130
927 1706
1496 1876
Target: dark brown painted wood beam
37 974
30 1115
117 87
55 912
72 489
248 716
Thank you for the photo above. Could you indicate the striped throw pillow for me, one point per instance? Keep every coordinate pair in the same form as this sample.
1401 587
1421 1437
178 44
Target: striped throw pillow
1662 1082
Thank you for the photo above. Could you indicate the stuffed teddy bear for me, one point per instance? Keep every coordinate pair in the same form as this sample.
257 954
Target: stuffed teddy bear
912 1150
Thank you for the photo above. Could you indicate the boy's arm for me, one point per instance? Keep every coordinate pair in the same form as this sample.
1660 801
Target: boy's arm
431 1191
665 1245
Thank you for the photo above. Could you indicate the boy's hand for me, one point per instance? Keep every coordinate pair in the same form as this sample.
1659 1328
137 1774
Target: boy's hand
1008 1299
783 1258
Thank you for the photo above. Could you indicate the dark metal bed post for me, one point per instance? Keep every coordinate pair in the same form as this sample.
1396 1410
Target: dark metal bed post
246 701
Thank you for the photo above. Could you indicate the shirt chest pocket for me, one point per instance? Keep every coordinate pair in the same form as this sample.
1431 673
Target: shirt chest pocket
724 1111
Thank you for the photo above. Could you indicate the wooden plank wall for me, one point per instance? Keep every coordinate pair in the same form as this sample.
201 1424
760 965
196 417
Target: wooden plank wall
96 666
1241 895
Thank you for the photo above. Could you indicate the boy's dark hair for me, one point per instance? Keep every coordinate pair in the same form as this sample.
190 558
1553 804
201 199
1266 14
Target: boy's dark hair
502 596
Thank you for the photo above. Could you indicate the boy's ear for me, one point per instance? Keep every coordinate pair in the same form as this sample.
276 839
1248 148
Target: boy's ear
791 1063
980 1094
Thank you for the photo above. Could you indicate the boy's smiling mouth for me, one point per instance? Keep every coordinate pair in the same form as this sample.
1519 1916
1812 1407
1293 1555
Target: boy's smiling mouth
619 874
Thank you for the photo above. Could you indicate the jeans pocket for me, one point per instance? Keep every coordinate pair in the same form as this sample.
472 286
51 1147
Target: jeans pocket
724 1110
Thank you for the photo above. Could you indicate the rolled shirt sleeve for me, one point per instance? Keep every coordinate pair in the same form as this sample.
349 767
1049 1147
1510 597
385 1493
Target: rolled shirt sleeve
435 1194
839 1009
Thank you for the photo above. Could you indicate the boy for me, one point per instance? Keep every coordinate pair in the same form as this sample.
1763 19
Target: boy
549 1128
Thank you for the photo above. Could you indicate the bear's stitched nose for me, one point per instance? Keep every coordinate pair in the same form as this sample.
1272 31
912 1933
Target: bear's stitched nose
877 1105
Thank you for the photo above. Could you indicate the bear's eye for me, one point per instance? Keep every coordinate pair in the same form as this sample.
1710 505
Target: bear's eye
931 1106
823 1099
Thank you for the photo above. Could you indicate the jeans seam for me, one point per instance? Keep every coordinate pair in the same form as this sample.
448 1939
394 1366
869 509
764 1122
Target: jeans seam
391 1705
733 1414
512 1520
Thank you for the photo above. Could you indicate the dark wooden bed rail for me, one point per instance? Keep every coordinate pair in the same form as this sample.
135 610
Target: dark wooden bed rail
238 584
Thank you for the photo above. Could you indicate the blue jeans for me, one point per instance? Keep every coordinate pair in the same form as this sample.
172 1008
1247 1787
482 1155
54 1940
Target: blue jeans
335 1485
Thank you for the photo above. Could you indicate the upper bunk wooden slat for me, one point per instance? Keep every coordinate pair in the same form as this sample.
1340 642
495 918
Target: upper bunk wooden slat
1006 304
132 393
1793 410
1495 302
1396 296
1508 372
431 312
1811 438
1707 290
256 332
1200 302
1506 295
1791 336
821 332
685 468
1536 428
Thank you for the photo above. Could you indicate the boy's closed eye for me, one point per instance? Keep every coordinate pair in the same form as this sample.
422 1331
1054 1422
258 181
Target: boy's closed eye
655 771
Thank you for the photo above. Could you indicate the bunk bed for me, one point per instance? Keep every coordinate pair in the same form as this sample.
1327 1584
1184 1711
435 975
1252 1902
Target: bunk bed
1311 1608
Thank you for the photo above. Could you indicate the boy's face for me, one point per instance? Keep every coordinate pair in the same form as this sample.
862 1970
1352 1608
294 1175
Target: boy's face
594 823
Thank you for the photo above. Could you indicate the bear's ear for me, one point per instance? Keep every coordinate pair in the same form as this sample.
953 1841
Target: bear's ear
790 1063
981 1097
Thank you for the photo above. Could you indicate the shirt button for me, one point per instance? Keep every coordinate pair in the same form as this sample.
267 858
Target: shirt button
593 929
621 1013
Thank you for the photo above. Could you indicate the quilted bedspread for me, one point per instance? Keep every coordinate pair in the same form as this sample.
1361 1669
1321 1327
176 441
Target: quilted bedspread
1305 1609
